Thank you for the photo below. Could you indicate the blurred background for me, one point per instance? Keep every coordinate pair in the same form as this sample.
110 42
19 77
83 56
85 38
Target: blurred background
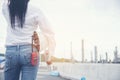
85 30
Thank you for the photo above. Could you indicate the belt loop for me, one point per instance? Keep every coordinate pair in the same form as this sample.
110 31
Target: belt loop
18 47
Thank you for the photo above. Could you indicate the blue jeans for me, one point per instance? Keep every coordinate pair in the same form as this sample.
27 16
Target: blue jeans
18 63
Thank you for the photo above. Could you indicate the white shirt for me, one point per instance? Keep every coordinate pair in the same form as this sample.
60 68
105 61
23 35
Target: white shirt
34 19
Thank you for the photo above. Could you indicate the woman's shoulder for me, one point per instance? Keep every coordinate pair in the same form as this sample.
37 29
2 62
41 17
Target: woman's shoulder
4 5
5 8
34 9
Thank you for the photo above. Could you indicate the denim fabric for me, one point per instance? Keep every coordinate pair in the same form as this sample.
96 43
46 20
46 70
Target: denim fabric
18 63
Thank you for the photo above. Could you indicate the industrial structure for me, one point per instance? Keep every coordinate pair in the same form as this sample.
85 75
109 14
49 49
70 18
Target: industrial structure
82 51
116 56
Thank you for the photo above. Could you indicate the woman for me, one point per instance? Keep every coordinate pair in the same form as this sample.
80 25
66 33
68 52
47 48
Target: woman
23 19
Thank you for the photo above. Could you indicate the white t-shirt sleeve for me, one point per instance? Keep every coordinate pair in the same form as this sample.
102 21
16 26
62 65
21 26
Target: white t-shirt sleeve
5 8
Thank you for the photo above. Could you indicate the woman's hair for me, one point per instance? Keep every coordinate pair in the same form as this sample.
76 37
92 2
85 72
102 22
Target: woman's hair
17 11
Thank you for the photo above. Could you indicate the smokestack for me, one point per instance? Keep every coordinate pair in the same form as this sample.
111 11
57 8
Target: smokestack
96 54
115 54
82 50
106 57
91 57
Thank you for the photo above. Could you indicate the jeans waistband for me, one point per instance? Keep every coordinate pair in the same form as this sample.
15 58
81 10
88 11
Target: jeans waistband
18 45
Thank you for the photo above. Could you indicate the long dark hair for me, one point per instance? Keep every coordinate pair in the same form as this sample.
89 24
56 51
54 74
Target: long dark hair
17 11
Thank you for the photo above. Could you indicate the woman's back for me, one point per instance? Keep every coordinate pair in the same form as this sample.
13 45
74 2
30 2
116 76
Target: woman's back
22 35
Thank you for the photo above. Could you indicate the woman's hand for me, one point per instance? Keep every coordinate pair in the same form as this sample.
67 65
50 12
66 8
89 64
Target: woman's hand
49 62
48 58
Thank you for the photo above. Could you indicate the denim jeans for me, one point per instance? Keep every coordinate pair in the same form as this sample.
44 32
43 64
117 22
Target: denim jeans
18 63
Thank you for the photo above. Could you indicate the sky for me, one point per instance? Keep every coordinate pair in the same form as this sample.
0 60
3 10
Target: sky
94 21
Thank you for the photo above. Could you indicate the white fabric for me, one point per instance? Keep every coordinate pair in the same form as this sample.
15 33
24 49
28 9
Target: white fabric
34 20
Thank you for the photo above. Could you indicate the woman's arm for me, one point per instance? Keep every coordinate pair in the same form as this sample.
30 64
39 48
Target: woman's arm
48 33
